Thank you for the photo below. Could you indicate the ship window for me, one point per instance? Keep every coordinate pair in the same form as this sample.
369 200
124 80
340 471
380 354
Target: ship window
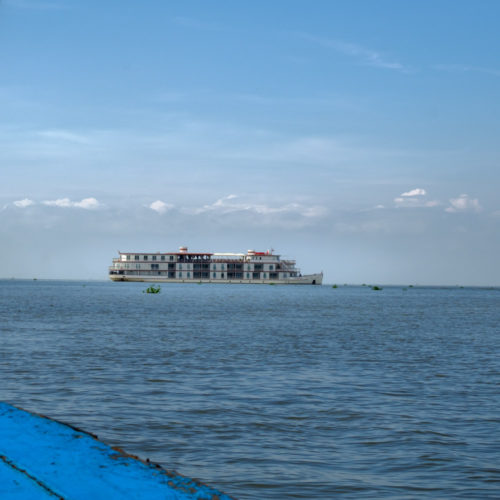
162 257
180 274
145 257
180 266
215 275
189 274
137 266
136 257
271 267
215 267
264 276
248 276
154 257
171 257
128 257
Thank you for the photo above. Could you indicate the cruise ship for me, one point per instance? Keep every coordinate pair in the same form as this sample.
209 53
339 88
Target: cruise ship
199 267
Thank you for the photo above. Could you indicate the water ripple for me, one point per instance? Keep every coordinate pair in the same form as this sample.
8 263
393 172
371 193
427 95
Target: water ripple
270 392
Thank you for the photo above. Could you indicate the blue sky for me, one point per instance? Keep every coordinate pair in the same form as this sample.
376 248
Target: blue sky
359 137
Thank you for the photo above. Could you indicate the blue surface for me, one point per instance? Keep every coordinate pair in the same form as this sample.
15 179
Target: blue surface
42 458
14 484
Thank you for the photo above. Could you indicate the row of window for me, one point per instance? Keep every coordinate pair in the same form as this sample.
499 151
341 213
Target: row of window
184 258
205 275
153 257
206 267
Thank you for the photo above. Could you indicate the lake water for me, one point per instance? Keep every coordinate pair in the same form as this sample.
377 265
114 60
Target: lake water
270 392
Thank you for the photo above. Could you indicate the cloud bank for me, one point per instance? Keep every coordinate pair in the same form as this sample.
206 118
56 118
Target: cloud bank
160 206
463 204
86 203
415 192
228 205
415 198
24 203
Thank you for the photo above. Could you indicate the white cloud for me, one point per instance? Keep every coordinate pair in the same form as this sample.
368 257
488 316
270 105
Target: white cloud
226 205
415 192
221 203
415 199
61 202
160 206
463 204
24 203
366 56
432 203
86 203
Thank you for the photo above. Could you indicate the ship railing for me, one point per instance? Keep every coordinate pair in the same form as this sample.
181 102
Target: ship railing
288 265
224 261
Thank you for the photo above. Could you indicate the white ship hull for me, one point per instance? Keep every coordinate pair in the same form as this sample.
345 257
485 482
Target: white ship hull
308 279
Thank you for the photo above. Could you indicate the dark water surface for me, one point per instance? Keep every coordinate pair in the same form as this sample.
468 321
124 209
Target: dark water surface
270 392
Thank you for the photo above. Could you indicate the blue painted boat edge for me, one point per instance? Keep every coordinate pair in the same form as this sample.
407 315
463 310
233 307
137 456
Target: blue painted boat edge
48 451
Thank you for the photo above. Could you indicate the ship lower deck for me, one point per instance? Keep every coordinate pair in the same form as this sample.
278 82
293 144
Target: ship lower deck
310 279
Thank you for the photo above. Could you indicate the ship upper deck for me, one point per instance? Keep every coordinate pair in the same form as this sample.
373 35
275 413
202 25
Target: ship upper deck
184 256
